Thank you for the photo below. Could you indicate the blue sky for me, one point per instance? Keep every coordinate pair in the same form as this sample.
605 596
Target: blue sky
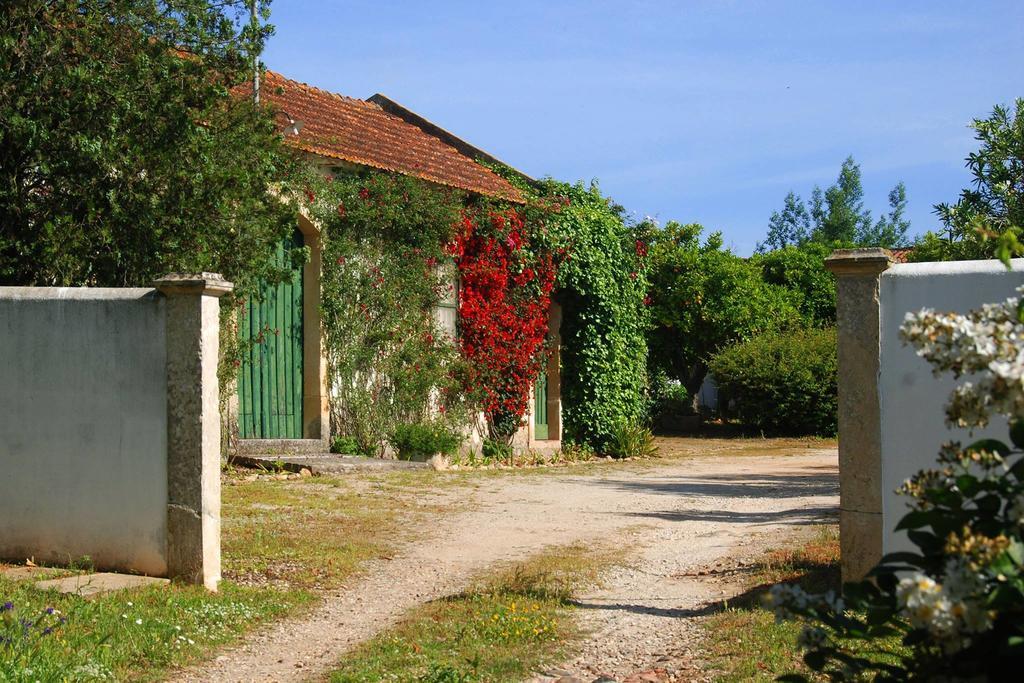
693 111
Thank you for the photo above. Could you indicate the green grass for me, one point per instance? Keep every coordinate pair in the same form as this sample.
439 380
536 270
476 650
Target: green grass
129 635
281 542
743 642
502 629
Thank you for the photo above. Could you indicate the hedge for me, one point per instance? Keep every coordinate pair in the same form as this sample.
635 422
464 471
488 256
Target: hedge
782 383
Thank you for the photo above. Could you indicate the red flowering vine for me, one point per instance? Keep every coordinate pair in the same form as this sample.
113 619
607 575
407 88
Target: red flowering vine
505 297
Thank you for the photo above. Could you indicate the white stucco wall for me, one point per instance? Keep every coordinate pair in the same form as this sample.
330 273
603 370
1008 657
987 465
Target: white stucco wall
911 399
83 426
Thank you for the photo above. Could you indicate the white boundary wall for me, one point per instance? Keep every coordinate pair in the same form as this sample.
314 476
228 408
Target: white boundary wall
911 399
83 426
109 427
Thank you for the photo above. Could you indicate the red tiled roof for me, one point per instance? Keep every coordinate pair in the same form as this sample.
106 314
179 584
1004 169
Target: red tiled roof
360 132
901 254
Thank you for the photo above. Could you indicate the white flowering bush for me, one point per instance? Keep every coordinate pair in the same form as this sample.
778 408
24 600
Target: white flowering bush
957 603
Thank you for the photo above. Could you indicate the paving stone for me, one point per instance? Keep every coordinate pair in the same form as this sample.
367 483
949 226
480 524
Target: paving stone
89 585
651 676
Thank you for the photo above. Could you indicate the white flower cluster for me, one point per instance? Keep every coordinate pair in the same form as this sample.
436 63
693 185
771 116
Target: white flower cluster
787 600
783 598
949 610
987 342
1015 510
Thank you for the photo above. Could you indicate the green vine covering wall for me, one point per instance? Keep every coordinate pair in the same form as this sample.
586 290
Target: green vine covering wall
385 268
602 286
387 262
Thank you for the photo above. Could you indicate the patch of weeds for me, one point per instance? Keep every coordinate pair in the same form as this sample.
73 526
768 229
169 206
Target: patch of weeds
743 642
130 635
81 564
315 533
631 440
505 458
496 451
577 452
505 627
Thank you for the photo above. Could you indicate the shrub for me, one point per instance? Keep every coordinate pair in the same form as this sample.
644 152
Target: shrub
669 398
957 600
496 450
782 382
631 440
421 441
347 445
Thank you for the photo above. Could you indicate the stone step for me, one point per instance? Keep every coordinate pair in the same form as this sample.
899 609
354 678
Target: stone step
323 463
280 447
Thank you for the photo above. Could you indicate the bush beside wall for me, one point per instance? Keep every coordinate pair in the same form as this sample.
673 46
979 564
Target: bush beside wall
782 383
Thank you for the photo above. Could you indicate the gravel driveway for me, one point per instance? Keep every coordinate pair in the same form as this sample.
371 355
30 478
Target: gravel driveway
680 515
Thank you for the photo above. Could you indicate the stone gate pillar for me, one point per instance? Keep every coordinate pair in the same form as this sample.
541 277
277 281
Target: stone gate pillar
857 274
193 425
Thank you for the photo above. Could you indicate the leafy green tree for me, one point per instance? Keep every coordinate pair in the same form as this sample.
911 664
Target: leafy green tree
703 298
891 229
988 217
124 154
801 271
791 226
844 217
836 216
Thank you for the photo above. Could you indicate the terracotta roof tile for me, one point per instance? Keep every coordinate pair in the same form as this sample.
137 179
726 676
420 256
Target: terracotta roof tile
360 132
901 254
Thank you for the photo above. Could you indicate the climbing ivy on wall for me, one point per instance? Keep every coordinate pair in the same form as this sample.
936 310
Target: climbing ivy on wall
385 268
393 246
602 286
387 242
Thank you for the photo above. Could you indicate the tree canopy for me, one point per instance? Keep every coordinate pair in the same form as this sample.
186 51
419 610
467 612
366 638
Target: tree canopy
987 218
836 216
801 271
124 154
703 298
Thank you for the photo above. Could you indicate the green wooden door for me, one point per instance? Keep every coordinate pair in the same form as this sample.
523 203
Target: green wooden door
270 376
540 407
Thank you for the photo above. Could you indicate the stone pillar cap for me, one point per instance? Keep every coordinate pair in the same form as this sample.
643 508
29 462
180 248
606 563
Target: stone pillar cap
208 284
869 261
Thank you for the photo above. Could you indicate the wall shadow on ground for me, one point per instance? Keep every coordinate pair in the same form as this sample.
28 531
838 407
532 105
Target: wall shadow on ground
811 481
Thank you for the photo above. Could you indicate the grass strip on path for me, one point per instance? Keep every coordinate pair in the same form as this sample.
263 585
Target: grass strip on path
504 628
316 532
743 642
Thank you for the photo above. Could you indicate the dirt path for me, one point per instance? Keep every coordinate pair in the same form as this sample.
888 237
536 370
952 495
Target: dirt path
681 515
